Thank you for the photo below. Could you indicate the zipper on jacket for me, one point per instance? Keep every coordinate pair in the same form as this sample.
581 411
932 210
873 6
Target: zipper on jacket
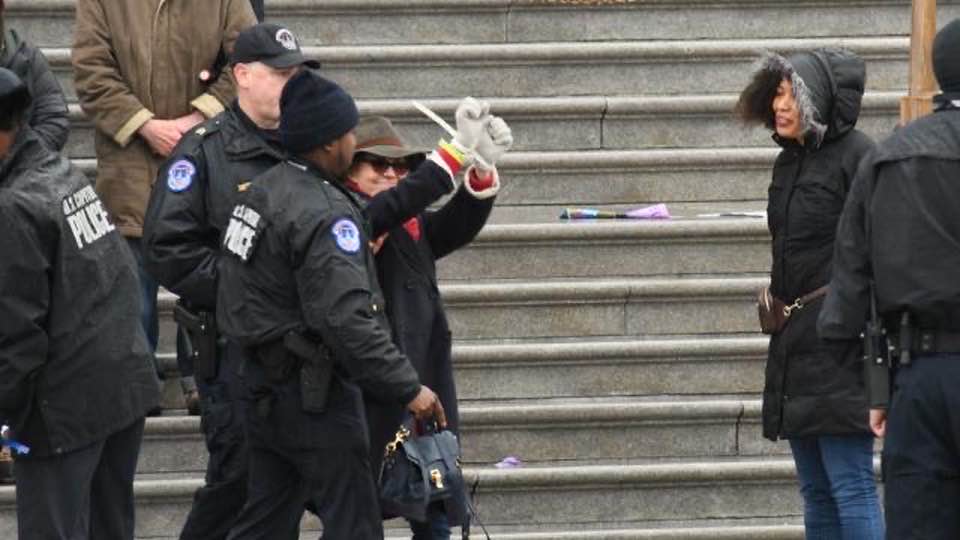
801 156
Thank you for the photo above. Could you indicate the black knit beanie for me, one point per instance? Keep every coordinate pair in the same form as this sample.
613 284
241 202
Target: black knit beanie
946 57
314 111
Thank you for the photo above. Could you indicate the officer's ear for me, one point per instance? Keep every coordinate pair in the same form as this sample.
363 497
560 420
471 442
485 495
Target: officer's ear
241 74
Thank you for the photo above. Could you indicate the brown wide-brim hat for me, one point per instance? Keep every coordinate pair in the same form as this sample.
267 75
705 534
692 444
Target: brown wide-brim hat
376 135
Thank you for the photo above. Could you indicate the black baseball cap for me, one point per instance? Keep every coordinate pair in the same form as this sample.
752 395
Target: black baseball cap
270 43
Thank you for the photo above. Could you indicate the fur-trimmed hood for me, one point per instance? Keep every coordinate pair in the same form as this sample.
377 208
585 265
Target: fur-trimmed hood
828 85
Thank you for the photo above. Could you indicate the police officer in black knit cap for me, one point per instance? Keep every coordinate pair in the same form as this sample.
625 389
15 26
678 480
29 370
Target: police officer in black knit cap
298 290
186 216
76 374
897 255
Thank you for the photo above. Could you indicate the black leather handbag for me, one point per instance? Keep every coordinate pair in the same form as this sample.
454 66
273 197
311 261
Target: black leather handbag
420 470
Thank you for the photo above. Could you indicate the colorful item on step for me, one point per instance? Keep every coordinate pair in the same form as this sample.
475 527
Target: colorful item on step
657 211
17 447
509 462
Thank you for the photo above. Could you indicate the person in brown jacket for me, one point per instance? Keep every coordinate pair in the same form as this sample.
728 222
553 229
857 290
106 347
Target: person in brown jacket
145 73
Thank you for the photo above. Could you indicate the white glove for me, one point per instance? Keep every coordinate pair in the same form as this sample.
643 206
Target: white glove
496 140
471 124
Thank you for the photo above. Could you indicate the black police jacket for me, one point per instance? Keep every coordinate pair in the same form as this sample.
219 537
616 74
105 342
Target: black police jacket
74 362
297 257
812 387
192 198
47 114
406 269
900 228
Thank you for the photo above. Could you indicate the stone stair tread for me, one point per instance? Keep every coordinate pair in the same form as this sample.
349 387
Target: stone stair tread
675 532
541 410
549 214
592 50
541 348
162 485
580 288
580 104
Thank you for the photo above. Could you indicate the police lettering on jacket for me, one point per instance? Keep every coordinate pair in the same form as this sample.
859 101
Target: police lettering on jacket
86 216
241 235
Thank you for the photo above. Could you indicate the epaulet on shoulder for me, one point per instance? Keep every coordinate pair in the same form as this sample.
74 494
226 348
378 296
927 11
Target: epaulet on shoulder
207 128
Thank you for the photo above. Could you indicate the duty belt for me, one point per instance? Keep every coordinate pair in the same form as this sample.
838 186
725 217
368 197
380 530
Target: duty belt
924 341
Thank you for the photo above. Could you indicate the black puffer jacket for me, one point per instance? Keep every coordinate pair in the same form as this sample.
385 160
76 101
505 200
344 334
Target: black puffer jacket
813 388
48 112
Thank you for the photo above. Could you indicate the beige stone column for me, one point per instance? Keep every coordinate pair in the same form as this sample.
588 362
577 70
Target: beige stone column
923 85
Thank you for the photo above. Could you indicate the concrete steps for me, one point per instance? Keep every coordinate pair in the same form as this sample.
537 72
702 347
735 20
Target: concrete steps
685 366
564 69
584 367
580 123
359 22
615 248
682 368
570 497
542 432
626 177
585 308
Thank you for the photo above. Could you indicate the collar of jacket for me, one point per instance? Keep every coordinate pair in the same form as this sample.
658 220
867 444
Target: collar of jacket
946 101
245 138
809 143
321 174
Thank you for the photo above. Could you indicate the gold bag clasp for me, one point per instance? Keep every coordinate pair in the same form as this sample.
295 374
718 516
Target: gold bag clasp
437 478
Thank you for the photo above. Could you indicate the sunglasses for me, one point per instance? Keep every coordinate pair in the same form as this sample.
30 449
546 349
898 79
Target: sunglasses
380 164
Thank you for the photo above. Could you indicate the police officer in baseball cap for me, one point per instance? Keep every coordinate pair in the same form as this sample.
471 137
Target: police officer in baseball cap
188 212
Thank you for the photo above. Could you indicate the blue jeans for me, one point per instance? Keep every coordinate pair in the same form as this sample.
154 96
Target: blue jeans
839 491
436 526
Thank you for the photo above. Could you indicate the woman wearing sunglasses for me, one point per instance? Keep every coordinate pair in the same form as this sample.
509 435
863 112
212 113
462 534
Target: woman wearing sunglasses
406 267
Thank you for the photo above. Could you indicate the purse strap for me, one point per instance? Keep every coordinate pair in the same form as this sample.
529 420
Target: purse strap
805 299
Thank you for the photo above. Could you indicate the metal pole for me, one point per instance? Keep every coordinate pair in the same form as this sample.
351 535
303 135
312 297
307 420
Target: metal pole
923 85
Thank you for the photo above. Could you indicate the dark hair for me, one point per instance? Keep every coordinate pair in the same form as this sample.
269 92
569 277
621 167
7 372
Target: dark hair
13 109
755 105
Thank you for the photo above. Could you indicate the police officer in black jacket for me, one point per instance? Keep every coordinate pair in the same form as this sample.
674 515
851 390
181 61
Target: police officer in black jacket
76 376
187 213
298 290
900 231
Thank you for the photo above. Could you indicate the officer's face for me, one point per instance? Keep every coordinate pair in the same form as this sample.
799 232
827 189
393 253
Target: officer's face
786 114
341 153
258 88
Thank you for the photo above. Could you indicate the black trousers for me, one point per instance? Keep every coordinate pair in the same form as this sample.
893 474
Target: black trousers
86 494
300 459
921 453
217 504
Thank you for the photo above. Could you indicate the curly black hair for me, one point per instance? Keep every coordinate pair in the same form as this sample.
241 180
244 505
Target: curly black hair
755 105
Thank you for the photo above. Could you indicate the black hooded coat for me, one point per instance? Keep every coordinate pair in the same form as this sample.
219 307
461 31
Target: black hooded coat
47 114
813 387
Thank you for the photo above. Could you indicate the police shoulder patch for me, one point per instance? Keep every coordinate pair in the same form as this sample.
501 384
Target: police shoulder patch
180 175
347 235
